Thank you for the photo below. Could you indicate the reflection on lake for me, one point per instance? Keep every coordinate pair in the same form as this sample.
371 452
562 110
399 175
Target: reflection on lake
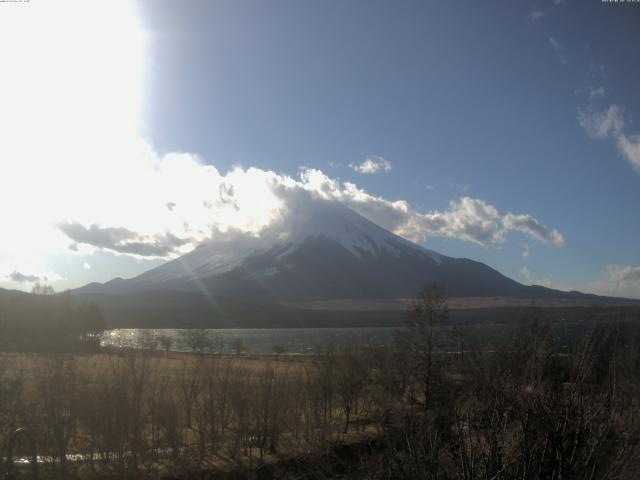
259 340
307 340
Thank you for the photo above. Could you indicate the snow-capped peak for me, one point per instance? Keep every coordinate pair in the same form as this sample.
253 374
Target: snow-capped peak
337 222
310 220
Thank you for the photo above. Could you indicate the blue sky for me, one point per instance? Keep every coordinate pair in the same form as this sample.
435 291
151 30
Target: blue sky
527 107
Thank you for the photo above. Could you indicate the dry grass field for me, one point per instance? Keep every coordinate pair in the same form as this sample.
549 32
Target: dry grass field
518 410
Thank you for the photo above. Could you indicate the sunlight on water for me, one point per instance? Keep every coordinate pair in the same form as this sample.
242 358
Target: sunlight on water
292 340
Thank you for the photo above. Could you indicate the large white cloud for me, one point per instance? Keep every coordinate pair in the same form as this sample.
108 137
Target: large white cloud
163 206
466 218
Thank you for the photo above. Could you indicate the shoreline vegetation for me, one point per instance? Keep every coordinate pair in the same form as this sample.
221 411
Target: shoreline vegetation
438 403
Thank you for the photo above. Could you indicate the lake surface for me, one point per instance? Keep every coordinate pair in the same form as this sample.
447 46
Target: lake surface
306 340
258 340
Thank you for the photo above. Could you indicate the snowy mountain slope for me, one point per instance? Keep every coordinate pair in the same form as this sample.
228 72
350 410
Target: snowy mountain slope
322 220
319 250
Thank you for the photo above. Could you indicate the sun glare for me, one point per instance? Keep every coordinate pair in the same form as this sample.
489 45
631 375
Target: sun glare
75 64
72 79
72 149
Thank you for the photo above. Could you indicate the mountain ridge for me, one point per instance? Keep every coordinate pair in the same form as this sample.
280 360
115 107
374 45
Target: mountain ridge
320 251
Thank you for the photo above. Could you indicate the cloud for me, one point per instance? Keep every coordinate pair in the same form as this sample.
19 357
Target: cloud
16 278
630 148
536 15
528 277
469 219
86 266
466 218
596 92
601 124
137 202
543 282
533 228
610 123
167 205
373 164
525 251
457 186
22 278
621 281
558 48
624 273
122 240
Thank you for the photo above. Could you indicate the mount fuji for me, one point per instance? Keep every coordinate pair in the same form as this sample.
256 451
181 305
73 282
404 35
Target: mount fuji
320 251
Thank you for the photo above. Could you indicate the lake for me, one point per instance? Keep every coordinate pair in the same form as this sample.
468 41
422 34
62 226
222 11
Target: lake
307 340
257 340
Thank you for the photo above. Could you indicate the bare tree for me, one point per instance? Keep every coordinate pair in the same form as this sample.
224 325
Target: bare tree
166 342
352 375
239 346
42 289
279 350
217 344
426 314
56 383
197 339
